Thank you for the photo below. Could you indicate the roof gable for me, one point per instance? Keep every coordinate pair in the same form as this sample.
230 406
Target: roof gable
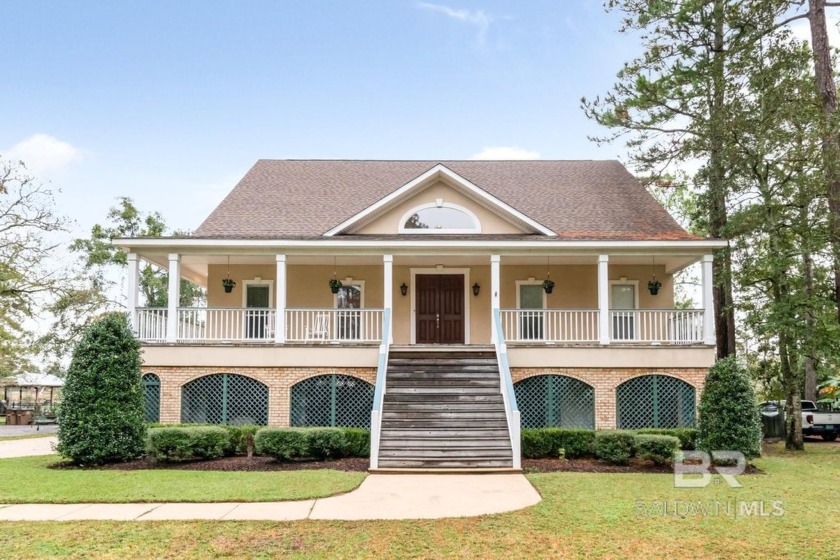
576 200
437 174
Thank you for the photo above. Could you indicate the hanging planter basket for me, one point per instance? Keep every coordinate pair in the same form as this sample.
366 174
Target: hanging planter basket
335 285
548 286
228 284
653 286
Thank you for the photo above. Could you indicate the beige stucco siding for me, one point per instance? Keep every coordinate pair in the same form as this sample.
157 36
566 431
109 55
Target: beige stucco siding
389 222
577 285
306 286
577 288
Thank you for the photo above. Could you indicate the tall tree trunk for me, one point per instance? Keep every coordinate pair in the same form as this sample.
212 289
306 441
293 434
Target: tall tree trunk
724 311
810 323
824 76
793 402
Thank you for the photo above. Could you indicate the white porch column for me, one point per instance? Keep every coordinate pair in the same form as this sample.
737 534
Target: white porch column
174 297
495 283
280 303
388 287
708 302
132 286
604 299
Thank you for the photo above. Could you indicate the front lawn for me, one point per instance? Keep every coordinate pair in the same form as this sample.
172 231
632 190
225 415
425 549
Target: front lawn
581 515
29 480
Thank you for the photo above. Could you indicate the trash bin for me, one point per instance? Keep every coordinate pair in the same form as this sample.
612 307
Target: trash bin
11 418
24 417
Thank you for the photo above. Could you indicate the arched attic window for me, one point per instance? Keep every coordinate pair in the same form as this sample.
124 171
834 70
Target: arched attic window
439 217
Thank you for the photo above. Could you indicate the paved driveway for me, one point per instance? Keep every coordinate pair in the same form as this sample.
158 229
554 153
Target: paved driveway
27 447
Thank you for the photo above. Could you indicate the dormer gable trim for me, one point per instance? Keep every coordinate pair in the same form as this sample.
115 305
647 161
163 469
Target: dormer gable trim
439 172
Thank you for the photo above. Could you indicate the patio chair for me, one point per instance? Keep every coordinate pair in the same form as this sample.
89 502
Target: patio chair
319 329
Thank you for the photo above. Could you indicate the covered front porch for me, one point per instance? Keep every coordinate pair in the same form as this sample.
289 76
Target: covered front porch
600 297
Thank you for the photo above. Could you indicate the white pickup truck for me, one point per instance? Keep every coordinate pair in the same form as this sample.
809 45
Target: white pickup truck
814 421
819 423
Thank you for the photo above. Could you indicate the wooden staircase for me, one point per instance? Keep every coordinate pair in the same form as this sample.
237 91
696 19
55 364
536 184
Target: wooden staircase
443 409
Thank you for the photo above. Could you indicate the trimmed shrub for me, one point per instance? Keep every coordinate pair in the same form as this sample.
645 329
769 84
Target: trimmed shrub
687 436
657 448
188 444
326 443
102 416
729 418
282 443
358 442
614 446
538 443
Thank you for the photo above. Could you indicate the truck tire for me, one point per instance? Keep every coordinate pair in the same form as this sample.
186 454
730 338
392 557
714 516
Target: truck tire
829 437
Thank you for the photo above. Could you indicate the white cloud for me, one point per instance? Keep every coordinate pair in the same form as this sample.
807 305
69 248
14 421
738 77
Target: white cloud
479 18
801 29
505 152
42 153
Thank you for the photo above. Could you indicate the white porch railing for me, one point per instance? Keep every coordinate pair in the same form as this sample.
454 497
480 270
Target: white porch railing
662 326
334 325
198 324
550 325
151 323
673 326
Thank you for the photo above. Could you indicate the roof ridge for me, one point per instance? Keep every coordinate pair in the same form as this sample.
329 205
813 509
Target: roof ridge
531 161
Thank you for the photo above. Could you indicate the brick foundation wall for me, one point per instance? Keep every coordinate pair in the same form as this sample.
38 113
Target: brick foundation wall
279 381
605 381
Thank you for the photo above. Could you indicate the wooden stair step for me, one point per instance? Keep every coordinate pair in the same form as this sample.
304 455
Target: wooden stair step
444 443
409 433
445 464
446 453
394 398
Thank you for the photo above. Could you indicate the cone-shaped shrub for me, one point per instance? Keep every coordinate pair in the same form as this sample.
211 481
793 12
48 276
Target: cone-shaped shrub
729 418
101 416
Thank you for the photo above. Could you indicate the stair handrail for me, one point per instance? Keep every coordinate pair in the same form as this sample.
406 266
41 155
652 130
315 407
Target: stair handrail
508 394
379 391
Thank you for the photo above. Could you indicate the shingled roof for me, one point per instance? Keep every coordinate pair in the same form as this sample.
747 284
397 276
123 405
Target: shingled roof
578 200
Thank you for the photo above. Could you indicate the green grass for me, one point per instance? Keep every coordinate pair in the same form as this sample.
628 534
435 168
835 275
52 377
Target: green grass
581 515
28 480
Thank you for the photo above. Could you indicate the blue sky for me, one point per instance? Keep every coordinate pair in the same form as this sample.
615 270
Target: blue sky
171 102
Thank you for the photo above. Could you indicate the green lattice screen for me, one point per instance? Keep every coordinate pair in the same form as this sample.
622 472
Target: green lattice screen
225 398
332 400
151 397
555 401
655 401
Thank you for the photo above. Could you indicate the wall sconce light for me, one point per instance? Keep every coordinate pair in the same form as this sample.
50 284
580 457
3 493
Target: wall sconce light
476 288
403 289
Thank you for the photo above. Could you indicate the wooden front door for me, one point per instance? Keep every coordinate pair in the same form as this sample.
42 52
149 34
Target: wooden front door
439 308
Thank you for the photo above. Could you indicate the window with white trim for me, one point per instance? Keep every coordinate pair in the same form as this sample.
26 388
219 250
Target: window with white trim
439 217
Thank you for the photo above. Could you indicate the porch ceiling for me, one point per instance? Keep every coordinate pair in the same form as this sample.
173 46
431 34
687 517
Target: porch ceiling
194 267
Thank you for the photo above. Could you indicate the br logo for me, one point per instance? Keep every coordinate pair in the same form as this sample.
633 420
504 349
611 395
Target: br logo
700 462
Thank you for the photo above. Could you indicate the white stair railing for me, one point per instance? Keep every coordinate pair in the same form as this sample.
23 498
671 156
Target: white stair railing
508 394
379 391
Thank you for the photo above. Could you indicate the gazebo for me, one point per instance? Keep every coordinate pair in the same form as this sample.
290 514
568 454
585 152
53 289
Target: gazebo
30 390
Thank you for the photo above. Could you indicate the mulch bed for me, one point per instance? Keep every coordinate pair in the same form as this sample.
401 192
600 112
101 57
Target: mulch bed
359 464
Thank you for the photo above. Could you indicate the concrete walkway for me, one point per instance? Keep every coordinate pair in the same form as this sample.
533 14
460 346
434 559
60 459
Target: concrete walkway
380 496
27 447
